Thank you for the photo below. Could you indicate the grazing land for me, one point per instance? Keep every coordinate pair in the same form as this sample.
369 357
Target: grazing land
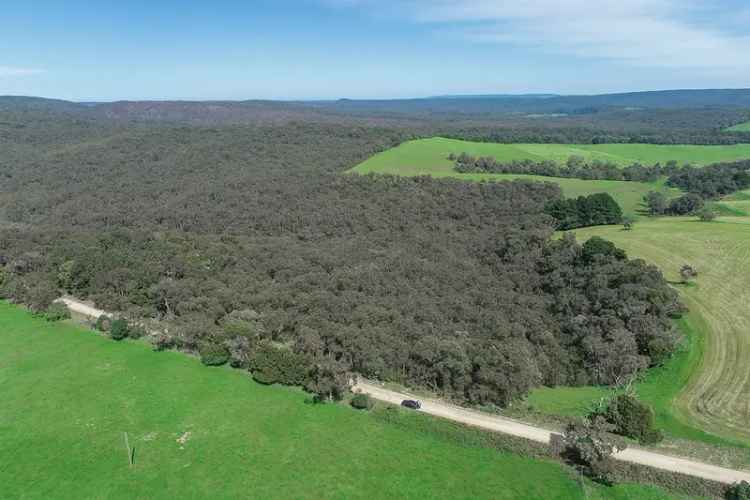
212 432
717 397
430 157
742 127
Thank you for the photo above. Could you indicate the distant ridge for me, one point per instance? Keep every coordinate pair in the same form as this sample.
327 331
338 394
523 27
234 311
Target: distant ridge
495 96
446 107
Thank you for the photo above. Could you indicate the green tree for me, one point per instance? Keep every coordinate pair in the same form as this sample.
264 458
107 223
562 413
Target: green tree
57 311
328 380
103 323
213 354
738 491
707 214
656 202
597 245
590 446
633 418
119 329
362 401
627 222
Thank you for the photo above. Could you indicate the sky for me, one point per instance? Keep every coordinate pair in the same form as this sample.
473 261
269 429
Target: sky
329 49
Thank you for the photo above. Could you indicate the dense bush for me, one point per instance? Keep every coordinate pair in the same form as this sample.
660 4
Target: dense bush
589 445
632 418
119 329
685 205
57 311
136 331
362 401
436 283
329 380
592 210
738 491
213 354
596 247
273 364
103 323
712 181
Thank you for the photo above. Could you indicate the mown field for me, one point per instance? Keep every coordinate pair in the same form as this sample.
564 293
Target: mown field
430 157
69 394
711 391
736 204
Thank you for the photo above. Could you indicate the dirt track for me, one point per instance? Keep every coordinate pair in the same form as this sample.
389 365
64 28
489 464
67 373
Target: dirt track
533 433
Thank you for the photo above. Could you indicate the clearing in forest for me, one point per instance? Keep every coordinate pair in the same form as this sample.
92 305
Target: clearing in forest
430 157
742 127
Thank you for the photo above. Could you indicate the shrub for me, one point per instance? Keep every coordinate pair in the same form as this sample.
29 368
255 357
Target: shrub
136 332
633 418
119 329
738 491
213 354
687 272
362 401
162 341
103 323
265 378
57 312
271 364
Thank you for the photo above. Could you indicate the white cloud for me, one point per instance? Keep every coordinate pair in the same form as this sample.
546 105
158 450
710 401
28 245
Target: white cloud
666 33
16 71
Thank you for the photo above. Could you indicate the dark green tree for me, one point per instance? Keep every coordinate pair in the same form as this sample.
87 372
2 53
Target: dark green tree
119 329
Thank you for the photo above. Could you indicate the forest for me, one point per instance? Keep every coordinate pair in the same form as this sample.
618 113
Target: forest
248 241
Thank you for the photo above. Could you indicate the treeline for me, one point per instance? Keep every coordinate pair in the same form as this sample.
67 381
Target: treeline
709 182
576 167
247 243
714 180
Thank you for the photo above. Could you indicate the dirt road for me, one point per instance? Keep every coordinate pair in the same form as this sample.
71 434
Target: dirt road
533 433
79 307
509 426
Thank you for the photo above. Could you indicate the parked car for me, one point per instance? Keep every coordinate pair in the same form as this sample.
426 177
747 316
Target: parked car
411 404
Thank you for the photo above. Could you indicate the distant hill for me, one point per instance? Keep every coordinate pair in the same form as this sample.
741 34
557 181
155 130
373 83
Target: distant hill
495 96
553 104
706 109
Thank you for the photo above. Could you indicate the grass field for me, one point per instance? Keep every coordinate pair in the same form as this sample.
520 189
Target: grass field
716 398
429 157
742 127
659 388
432 153
68 395
736 203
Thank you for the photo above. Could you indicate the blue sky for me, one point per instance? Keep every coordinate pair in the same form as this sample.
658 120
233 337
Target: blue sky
322 49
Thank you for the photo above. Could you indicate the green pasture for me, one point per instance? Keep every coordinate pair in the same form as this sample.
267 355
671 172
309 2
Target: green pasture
69 395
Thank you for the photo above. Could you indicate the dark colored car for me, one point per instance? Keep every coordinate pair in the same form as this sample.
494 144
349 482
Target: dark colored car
411 404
